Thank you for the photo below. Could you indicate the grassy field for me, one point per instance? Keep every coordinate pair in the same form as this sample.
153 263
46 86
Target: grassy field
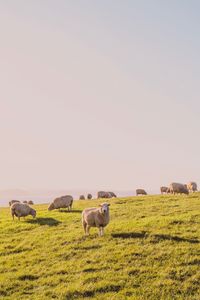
151 250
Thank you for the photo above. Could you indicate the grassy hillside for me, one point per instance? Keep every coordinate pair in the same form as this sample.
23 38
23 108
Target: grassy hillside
151 250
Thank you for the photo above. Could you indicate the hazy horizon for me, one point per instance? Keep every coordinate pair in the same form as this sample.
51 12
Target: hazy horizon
99 95
45 196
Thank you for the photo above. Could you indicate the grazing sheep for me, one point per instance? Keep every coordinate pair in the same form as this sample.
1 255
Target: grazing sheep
89 196
30 202
140 192
178 188
192 186
96 217
164 189
13 201
168 191
112 195
82 197
22 210
62 202
103 194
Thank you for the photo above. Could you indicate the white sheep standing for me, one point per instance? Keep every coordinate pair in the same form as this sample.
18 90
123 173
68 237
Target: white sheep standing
96 217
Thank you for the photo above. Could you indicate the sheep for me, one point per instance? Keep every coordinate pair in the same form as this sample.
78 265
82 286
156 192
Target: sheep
103 194
13 201
96 217
82 197
30 202
192 186
164 189
112 195
21 210
89 196
62 202
178 188
140 192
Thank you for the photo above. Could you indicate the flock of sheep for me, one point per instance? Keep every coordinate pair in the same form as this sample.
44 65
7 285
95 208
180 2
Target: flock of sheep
174 188
101 194
92 217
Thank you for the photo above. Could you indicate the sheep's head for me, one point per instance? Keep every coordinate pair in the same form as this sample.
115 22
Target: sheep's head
51 206
104 207
33 213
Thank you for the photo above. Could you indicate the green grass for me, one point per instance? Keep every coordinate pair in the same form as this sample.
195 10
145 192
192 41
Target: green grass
151 250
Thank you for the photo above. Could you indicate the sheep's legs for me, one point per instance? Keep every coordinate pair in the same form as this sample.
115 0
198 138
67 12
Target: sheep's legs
84 227
87 229
101 231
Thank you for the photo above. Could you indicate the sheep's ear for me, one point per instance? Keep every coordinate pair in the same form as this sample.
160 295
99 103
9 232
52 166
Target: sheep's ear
100 205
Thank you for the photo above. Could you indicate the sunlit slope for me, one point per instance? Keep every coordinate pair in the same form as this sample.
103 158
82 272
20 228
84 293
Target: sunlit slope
151 250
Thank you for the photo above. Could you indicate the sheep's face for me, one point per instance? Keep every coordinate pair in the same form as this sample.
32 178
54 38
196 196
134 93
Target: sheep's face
33 213
104 207
51 206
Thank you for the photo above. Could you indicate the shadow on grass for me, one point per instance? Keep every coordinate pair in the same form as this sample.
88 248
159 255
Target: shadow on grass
156 238
28 277
71 211
129 235
93 292
88 270
44 221
160 237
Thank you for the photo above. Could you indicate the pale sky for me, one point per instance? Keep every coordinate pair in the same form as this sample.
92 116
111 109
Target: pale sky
99 94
